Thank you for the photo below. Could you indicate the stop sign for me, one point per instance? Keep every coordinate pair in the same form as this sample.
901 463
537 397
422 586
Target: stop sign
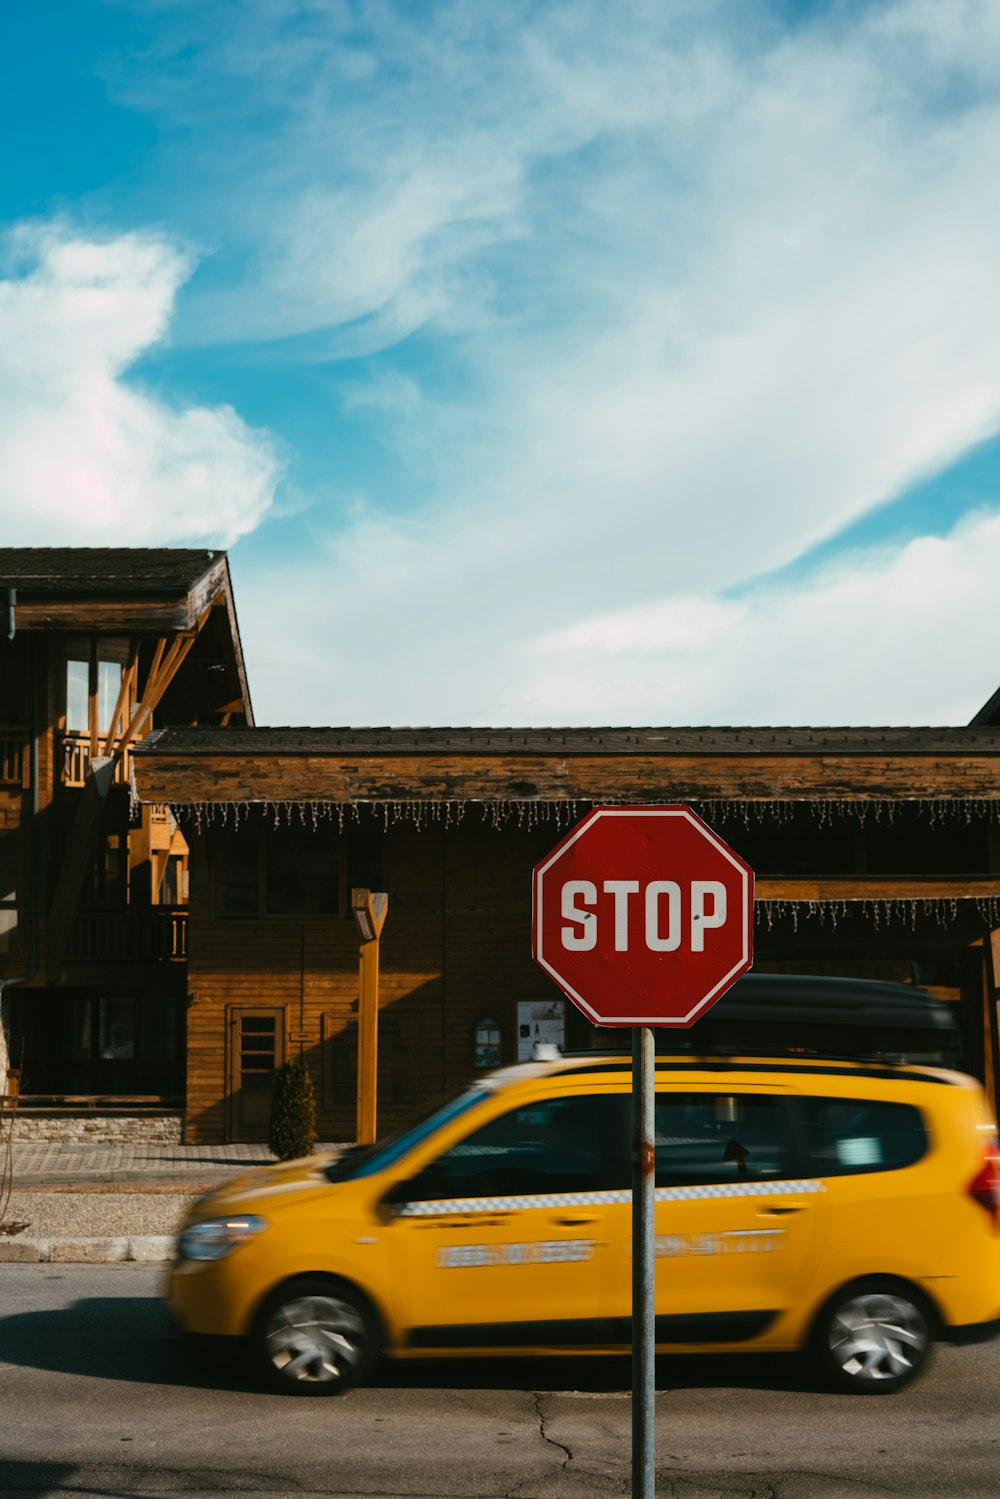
642 915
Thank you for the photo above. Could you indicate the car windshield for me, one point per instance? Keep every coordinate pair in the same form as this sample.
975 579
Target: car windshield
365 1160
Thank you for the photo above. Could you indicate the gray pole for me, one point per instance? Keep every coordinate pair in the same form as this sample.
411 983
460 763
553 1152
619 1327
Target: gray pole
643 1265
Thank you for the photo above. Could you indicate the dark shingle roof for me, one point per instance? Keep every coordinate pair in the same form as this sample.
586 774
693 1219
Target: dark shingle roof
889 741
89 570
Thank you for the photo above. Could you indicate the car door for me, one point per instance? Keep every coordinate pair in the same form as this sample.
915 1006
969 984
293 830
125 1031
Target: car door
501 1241
734 1220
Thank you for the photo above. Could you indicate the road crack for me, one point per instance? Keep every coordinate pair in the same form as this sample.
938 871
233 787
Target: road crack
545 1436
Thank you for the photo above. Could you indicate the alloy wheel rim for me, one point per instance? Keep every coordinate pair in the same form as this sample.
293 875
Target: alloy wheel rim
315 1339
878 1337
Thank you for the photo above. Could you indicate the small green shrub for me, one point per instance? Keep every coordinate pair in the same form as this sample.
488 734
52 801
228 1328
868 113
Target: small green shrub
292 1131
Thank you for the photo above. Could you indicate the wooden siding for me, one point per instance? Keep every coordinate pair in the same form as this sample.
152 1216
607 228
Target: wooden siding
456 948
185 779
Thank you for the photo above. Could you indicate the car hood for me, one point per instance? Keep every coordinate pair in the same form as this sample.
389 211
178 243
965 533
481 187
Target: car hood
258 1191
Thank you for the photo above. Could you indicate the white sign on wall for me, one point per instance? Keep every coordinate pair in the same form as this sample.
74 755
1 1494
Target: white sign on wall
540 1020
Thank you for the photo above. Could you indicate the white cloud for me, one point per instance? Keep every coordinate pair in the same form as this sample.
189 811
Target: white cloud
685 289
899 637
85 457
908 636
767 302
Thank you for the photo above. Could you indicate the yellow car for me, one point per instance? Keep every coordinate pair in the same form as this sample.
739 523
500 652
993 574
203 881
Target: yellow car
846 1208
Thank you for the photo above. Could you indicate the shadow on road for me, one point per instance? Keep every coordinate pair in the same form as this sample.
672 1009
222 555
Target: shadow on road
129 1338
112 1337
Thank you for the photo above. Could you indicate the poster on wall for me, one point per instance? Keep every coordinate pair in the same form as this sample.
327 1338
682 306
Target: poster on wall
540 1020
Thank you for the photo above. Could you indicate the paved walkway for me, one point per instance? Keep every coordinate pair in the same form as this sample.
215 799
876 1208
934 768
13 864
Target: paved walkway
108 1203
51 1163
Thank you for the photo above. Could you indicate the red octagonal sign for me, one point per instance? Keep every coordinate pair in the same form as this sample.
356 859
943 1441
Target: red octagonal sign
642 915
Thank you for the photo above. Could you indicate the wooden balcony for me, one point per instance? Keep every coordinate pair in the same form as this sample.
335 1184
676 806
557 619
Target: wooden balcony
13 755
157 934
75 758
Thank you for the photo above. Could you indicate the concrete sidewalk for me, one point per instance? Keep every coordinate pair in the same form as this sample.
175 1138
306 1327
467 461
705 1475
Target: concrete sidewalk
50 1164
107 1203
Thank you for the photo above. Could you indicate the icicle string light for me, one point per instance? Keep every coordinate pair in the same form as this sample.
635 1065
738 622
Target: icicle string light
880 913
421 814
530 813
827 810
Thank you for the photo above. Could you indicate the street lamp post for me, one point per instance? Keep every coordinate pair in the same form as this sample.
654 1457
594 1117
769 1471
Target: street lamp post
369 908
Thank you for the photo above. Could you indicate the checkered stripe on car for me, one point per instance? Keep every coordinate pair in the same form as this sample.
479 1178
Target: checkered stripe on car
446 1207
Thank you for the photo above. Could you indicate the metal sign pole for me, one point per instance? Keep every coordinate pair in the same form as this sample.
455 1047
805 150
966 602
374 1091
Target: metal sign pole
643 1265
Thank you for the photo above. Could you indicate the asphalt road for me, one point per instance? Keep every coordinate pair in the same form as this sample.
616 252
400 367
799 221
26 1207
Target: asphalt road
96 1399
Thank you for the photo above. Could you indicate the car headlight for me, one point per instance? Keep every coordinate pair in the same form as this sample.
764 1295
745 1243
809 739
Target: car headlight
216 1237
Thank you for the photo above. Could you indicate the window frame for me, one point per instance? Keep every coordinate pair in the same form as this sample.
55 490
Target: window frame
260 835
778 1100
416 1189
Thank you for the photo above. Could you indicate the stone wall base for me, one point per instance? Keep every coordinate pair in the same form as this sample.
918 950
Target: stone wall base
99 1129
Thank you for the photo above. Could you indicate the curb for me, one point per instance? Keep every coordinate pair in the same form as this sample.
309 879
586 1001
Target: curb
142 1249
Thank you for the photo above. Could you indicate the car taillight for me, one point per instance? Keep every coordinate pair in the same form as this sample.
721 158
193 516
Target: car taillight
985 1185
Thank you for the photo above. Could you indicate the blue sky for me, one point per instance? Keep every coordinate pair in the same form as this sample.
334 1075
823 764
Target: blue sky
537 362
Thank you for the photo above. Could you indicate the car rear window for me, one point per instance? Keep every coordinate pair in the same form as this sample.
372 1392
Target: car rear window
844 1136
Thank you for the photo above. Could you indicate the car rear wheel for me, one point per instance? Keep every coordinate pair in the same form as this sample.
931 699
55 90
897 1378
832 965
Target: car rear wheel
873 1337
316 1337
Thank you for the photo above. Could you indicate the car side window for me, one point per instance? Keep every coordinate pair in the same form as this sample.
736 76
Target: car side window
558 1145
705 1138
844 1136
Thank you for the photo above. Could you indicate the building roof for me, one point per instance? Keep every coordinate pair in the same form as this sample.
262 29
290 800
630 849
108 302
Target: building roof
241 742
90 570
202 767
142 593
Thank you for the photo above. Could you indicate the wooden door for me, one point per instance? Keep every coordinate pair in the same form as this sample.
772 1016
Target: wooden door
256 1050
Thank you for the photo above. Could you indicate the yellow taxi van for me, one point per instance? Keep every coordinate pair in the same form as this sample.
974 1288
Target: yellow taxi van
846 1205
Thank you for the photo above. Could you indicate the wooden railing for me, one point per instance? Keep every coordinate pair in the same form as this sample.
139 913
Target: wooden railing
155 935
76 759
13 748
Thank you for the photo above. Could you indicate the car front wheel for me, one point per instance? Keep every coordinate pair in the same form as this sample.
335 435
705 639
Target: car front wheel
316 1337
873 1337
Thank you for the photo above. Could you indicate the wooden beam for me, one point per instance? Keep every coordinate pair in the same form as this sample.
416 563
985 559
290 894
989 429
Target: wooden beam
537 780
370 908
367 1119
92 698
124 693
73 871
868 887
156 686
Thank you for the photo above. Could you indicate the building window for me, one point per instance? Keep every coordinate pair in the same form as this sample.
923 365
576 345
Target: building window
174 885
84 680
107 885
109 681
78 697
116 1030
238 865
301 873
93 1043
295 871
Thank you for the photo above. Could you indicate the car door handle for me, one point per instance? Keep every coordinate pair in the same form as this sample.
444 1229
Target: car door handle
781 1210
578 1221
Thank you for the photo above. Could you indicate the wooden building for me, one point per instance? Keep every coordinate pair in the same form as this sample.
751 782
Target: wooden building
96 647
877 853
174 882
